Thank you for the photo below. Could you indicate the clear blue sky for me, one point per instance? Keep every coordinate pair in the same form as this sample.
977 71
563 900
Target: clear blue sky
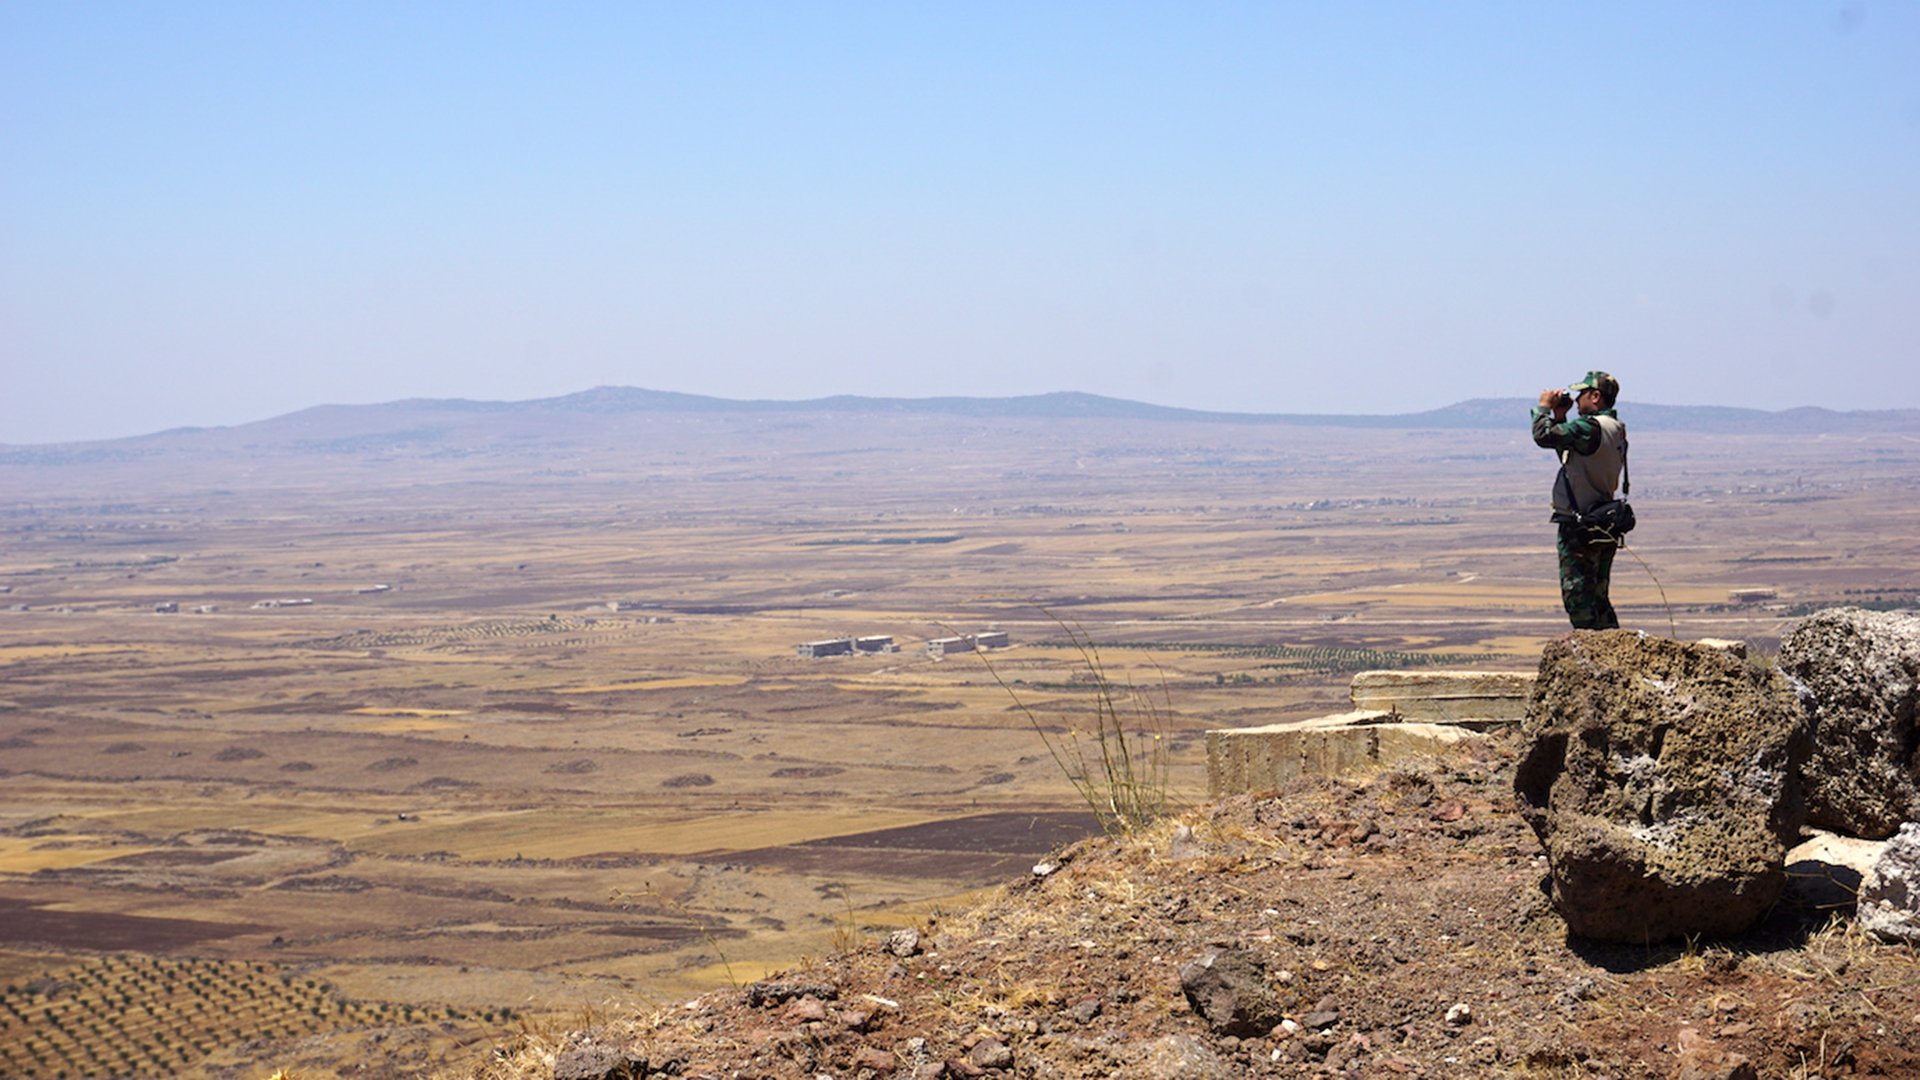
212 213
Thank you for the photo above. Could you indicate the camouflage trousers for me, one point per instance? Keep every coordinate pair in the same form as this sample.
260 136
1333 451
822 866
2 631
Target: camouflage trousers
1586 572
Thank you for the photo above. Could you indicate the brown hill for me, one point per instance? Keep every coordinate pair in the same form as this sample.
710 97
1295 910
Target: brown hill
1402 930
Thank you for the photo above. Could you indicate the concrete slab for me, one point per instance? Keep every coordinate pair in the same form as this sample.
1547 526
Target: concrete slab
1243 760
1732 645
1825 869
1473 698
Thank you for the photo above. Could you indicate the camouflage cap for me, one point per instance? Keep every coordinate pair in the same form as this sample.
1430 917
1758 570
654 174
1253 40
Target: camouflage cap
1608 386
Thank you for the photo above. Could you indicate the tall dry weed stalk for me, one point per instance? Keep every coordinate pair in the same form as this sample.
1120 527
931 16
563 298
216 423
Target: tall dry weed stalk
700 923
846 929
1673 631
1121 774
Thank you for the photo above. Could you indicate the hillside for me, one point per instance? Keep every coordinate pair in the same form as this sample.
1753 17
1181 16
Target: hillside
1400 918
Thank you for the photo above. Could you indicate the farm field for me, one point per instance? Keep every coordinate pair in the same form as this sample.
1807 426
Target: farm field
521 730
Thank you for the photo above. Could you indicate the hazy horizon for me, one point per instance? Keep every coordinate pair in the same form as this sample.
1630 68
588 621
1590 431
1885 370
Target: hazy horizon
220 213
1628 408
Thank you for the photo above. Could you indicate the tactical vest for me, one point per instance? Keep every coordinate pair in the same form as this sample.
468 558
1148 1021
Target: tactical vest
1594 477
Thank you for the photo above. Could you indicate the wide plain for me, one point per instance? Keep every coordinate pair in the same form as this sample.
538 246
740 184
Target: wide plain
567 756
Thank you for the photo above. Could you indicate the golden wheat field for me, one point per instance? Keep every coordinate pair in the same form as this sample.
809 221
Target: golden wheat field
457 739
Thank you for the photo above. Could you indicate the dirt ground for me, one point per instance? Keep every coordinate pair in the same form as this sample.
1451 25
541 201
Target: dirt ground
1379 907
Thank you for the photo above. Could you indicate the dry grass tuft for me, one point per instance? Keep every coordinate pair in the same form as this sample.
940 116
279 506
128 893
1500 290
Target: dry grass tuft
1120 773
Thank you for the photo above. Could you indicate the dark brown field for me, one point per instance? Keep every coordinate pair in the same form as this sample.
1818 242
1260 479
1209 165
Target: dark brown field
568 756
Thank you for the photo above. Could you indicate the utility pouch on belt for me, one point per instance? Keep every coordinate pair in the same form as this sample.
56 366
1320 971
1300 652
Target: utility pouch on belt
1606 523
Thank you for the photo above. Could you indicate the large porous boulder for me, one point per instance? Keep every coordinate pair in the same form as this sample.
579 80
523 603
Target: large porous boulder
1662 778
1890 893
1857 672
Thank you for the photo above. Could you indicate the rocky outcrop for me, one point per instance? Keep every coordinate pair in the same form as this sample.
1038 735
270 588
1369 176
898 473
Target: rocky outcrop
1890 894
1662 778
1857 672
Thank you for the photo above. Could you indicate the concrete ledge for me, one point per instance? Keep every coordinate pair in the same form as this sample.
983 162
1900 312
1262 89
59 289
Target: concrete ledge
1241 760
1825 870
1474 698
1732 645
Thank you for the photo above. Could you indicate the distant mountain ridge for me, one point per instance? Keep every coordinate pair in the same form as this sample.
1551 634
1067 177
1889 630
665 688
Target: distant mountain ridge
423 416
1482 413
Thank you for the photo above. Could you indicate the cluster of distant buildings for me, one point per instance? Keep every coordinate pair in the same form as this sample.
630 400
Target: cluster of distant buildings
884 643
846 646
986 639
169 607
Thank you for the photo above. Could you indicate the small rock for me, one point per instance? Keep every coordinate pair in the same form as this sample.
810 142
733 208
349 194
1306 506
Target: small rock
1085 1011
1183 845
1460 1015
872 1057
1182 1057
776 993
595 1061
1044 868
1228 988
1575 992
1321 1020
1700 1059
806 1010
962 1069
1341 1056
990 1054
904 943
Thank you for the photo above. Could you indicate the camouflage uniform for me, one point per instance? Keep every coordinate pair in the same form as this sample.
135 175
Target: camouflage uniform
1586 573
1586 570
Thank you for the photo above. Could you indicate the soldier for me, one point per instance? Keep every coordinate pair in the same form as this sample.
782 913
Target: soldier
1593 451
